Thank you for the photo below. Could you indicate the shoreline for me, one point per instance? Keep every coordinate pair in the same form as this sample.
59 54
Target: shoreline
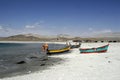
35 66
76 66
32 42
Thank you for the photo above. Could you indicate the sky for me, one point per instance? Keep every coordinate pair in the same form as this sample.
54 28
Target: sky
53 17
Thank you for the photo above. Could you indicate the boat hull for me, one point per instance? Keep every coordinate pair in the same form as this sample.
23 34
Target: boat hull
66 49
75 46
101 49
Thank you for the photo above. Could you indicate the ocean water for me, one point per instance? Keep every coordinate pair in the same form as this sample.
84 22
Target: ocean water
11 53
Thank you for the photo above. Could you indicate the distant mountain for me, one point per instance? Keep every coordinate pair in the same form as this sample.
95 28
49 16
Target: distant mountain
36 37
21 38
109 35
40 36
1 37
62 37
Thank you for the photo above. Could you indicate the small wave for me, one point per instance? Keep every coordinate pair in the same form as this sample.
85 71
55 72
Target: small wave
3 68
1 60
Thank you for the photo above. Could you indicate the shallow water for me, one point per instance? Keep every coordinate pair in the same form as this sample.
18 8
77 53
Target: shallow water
11 53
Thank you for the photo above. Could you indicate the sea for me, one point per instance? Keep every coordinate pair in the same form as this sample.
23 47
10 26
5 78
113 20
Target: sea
12 53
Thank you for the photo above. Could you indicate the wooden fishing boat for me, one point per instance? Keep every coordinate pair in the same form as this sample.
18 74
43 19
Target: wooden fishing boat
75 46
62 50
101 49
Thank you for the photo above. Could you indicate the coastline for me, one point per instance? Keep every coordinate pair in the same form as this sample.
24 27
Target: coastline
32 42
76 66
34 66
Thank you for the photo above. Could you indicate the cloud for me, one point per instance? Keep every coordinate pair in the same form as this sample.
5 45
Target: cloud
102 31
1 27
29 26
92 32
35 25
107 31
7 31
35 28
97 32
46 29
90 29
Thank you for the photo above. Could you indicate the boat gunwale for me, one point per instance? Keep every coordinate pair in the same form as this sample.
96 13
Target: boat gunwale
94 52
94 48
59 50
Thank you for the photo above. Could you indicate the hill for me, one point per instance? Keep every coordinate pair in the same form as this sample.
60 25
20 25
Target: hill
36 37
107 37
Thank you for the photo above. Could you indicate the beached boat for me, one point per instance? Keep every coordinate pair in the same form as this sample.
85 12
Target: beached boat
56 51
101 49
75 46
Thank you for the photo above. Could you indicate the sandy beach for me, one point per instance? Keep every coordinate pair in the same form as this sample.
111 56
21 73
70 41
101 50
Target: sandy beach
76 66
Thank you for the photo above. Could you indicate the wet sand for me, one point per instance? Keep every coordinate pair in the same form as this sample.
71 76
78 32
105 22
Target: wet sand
33 66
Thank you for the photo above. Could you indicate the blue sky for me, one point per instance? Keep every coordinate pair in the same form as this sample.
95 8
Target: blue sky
52 17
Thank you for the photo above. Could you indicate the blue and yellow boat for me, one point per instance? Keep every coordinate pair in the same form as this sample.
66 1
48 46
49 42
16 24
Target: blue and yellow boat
101 49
